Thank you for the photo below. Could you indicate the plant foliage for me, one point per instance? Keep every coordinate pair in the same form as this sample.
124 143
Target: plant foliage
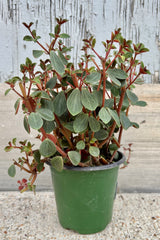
79 112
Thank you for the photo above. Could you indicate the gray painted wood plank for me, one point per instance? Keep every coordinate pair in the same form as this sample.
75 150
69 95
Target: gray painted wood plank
139 21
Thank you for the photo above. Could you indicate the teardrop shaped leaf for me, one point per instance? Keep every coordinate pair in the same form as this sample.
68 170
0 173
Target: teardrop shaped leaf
104 115
51 83
60 105
40 166
112 76
57 163
47 148
28 38
16 105
74 157
12 170
141 103
132 96
94 151
64 35
80 123
48 126
26 124
98 95
93 78
7 91
94 124
101 134
125 121
45 95
115 116
46 114
69 126
63 59
57 63
37 156
35 120
37 53
48 104
74 104
80 145
135 125
88 100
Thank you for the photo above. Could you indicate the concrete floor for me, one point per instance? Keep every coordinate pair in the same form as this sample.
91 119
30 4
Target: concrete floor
29 217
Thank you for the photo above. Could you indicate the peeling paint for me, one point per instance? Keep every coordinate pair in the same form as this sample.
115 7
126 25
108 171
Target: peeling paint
138 19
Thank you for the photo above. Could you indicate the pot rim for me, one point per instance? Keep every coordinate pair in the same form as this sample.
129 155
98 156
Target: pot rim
96 168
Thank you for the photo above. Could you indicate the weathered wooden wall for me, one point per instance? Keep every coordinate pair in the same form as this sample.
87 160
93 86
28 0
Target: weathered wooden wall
139 20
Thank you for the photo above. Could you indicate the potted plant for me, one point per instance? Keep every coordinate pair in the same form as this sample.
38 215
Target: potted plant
80 114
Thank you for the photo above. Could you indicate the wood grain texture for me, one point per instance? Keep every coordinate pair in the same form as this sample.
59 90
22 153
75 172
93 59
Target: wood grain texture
138 19
143 172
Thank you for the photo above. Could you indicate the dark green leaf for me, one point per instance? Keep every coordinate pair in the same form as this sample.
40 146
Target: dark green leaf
51 83
26 124
37 156
8 149
48 126
125 121
37 80
63 59
57 63
52 35
16 105
37 53
104 115
113 147
45 95
94 124
28 38
14 141
114 115
35 120
141 103
47 148
74 104
46 114
80 123
132 96
69 126
98 95
109 103
48 104
118 73
139 81
93 43
93 78
57 163
114 91
74 157
80 145
135 125
64 35
7 91
113 77
12 170
40 166
94 151
60 106
108 85
88 100
101 134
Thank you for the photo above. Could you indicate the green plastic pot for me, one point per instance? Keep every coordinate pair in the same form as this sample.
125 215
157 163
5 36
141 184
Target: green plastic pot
85 196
